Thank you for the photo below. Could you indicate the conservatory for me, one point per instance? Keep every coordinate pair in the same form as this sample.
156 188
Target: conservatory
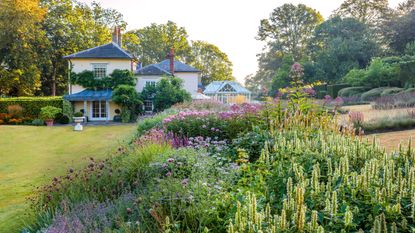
228 92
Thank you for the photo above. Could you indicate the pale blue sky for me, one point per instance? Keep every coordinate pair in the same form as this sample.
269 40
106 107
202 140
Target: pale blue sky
230 24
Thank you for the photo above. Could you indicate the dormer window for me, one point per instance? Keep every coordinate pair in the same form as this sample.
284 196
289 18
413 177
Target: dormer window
100 70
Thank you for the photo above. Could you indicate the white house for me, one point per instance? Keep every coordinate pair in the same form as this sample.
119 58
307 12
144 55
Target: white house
103 60
151 74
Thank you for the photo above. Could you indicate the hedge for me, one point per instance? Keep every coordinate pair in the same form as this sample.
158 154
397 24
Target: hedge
373 94
351 91
31 105
391 91
333 90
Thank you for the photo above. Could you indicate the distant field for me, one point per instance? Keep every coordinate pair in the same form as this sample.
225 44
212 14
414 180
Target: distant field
32 155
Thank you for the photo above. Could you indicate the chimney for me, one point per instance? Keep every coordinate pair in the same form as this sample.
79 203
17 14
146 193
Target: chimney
119 36
171 57
115 35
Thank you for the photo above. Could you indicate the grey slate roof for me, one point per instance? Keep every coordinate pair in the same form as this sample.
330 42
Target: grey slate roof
90 95
163 68
216 86
111 50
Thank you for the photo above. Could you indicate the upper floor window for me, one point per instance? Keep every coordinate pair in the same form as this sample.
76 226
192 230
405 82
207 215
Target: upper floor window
100 70
152 83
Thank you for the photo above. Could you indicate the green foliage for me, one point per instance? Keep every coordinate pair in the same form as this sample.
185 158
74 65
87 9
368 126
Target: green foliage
389 123
399 33
38 122
333 90
167 92
372 94
340 45
78 114
369 12
31 105
379 73
290 27
391 91
49 112
127 97
211 61
155 121
152 43
351 91
117 77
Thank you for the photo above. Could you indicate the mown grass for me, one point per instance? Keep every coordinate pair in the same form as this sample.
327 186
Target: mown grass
29 156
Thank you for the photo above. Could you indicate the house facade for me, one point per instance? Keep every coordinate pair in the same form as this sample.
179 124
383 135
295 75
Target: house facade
151 74
103 60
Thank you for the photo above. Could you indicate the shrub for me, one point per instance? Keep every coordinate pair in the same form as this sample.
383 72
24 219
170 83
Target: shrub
38 122
31 105
373 94
128 98
410 90
49 112
391 91
78 114
64 120
401 100
351 91
15 110
333 90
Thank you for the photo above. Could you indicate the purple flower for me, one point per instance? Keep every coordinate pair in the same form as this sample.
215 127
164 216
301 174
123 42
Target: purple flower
168 174
170 160
185 182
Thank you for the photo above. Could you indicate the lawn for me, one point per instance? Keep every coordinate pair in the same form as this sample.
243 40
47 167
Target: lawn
391 140
32 155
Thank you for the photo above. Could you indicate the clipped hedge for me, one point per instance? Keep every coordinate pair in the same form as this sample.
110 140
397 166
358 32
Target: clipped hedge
391 91
351 91
31 105
373 94
333 90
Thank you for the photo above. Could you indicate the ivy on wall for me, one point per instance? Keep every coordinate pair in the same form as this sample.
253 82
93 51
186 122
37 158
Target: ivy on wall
116 78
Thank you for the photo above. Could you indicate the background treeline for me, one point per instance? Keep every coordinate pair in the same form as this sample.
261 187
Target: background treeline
363 43
36 34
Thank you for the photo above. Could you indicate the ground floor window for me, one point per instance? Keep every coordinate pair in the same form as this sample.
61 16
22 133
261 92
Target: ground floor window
99 109
148 106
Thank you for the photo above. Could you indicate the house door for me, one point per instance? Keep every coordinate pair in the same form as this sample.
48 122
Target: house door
99 110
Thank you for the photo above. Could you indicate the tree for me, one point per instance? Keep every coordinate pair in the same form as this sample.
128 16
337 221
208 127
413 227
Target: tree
156 40
214 64
20 35
71 27
401 31
405 7
370 12
340 45
290 27
167 92
127 97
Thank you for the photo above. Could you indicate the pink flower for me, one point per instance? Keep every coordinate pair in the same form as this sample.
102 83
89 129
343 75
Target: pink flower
168 174
185 182
170 160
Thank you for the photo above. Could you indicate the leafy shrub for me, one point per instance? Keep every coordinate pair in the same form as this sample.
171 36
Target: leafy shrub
116 78
253 142
387 123
78 114
38 122
31 105
167 92
373 94
64 120
128 98
49 112
333 90
15 110
351 91
391 91
155 121
409 90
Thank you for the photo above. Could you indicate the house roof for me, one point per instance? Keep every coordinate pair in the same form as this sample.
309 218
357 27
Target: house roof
217 87
110 50
163 68
90 95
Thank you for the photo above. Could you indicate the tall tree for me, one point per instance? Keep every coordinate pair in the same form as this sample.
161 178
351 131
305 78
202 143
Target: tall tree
214 64
290 27
156 40
71 27
370 12
400 32
20 36
340 45
405 7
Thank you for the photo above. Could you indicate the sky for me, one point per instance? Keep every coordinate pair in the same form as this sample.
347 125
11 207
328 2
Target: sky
232 25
